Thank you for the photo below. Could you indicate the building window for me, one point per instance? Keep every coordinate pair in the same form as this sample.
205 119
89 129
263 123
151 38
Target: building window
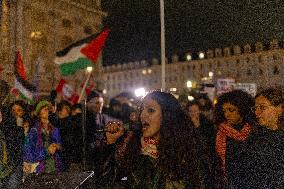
259 58
193 67
275 57
108 77
113 86
88 30
249 72
188 67
260 71
218 64
275 70
248 59
66 23
238 61
210 65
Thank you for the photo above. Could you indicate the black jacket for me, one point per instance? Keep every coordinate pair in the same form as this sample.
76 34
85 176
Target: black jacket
14 136
260 161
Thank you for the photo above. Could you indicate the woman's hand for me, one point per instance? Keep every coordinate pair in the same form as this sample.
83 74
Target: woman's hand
114 131
52 148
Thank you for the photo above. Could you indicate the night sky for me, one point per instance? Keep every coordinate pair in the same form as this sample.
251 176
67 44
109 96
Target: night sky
191 26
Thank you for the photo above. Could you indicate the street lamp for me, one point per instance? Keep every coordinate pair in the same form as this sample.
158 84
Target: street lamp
140 92
201 55
89 69
211 74
189 84
188 57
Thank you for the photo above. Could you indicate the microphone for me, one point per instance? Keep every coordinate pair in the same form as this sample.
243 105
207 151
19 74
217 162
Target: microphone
127 127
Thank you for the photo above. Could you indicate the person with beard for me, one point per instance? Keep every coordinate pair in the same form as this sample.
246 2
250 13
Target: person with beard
95 121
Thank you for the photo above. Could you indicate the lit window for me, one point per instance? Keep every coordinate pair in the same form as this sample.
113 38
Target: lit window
149 71
144 72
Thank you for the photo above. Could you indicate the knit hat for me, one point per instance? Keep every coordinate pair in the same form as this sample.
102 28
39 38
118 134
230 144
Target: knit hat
40 105
93 94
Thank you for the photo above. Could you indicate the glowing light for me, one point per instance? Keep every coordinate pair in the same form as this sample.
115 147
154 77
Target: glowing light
173 89
189 84
210 74
188 57
190 98
144 72
140 92
201 55
89 69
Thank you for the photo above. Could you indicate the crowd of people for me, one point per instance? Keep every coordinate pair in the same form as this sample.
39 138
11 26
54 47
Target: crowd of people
157 143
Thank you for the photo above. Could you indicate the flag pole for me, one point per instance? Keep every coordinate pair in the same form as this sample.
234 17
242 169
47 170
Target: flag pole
89 70
163 51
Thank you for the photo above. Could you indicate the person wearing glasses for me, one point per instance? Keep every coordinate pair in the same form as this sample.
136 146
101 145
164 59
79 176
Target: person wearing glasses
234 121
261 162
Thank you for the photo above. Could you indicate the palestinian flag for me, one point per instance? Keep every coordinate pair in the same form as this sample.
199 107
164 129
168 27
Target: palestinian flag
24 88
67 92
81 54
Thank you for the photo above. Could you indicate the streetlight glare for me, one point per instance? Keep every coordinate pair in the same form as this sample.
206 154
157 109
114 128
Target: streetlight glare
210 74
201 55
188 57
89 69
189 84
140 92
190 98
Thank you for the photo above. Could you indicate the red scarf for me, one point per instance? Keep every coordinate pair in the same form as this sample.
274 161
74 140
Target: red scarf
149 147
224 131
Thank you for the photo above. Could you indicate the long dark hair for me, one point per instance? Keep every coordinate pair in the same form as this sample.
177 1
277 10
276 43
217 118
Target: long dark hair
177 147
238 98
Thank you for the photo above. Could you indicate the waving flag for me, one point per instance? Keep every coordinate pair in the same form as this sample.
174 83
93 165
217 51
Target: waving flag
81 54
67 91
24 88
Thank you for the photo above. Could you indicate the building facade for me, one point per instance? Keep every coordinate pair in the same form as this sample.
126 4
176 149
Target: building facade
39 28
259 64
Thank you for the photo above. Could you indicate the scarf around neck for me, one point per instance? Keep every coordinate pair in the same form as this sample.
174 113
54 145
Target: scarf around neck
227 131
149 147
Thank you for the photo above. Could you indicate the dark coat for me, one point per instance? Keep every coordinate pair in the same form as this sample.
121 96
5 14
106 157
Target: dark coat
260 162
14 136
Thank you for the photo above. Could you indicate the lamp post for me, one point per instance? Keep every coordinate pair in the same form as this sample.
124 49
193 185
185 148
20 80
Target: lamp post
163 50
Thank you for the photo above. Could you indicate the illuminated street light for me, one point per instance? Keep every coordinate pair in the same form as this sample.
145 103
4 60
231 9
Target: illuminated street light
173 89
190 98
140 92
189 84
89 69
210 74
188 57
201 55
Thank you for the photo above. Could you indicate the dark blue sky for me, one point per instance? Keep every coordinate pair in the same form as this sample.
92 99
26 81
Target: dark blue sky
190 26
